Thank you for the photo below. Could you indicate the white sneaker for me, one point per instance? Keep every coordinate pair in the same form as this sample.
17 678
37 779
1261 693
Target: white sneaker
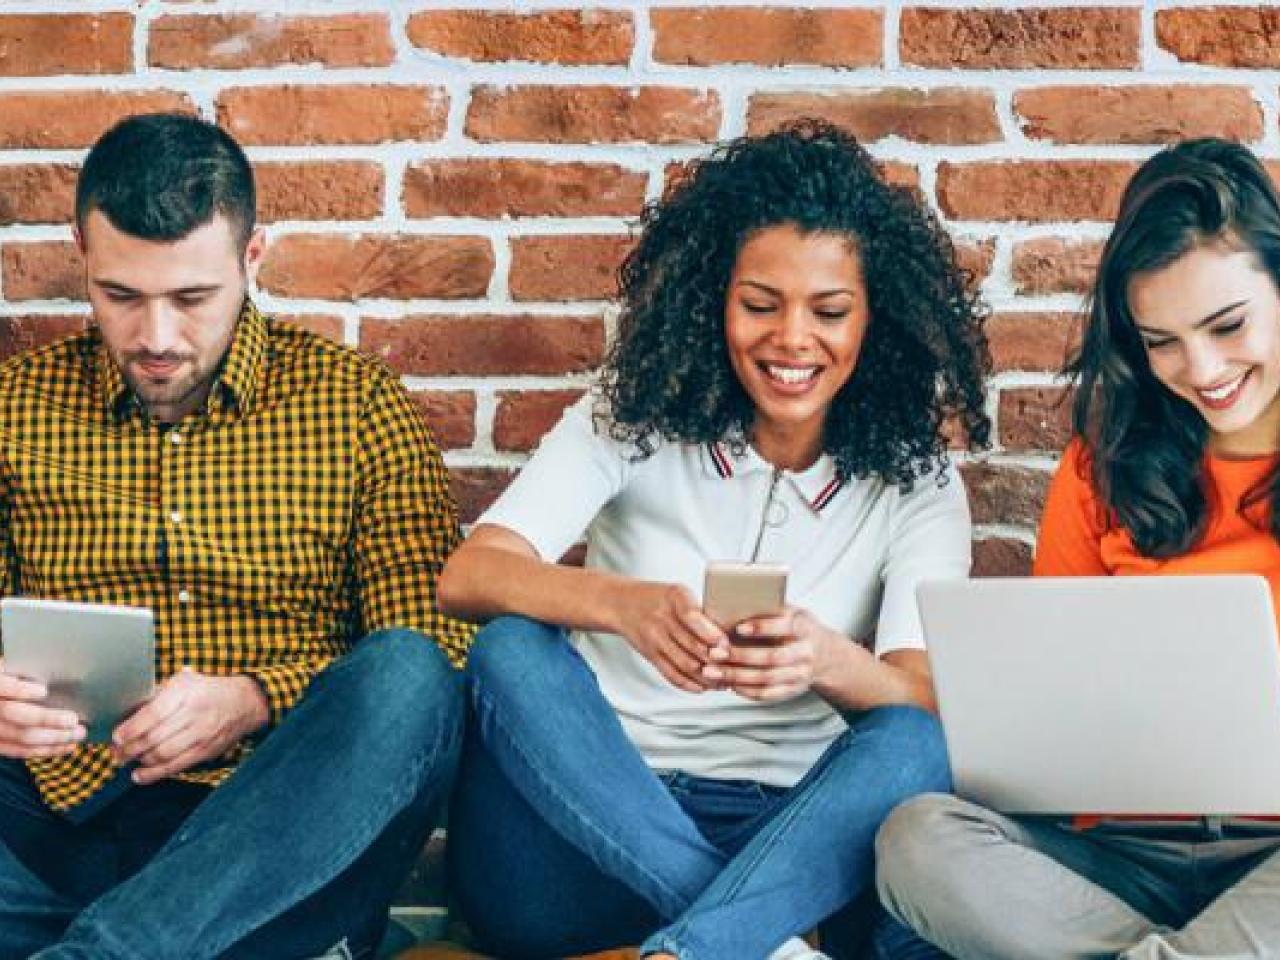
797 949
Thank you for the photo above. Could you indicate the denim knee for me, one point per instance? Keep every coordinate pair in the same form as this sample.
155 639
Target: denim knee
917 736
401 688
516 654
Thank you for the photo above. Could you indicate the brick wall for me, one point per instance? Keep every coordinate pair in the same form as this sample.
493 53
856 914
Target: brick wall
448 184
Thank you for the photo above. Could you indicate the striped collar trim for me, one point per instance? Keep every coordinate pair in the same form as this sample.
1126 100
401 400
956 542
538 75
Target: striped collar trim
818 485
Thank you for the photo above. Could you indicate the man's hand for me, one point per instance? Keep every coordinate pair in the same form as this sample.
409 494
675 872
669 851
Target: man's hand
29 730
192 718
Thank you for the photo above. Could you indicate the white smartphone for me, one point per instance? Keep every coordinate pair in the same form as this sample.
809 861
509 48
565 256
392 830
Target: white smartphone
733 592
95 659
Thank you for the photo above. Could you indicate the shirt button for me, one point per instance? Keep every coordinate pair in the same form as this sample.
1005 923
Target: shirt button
175 438
176 516
184 596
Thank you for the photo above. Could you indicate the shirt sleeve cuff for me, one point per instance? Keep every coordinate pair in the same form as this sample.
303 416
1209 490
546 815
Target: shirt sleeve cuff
284 685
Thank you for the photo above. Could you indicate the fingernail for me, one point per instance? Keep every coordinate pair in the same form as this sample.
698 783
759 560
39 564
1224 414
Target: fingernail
745 629
719 653
712 673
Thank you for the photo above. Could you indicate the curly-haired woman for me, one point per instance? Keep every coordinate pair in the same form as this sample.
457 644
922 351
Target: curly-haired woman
1174 469
795 345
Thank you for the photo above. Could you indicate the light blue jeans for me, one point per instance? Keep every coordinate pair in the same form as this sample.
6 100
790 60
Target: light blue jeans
562 840
303 846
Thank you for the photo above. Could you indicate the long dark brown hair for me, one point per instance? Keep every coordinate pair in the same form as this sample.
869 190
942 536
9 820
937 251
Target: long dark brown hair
1145 445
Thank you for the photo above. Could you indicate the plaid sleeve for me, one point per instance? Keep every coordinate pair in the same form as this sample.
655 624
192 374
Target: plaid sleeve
406 523
8 557
285 683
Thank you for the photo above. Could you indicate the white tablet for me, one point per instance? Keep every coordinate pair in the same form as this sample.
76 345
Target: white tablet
95 659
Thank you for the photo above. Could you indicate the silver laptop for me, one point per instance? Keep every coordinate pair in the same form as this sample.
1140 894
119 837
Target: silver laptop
1142 695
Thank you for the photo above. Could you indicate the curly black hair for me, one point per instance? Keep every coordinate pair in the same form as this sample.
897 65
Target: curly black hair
922 364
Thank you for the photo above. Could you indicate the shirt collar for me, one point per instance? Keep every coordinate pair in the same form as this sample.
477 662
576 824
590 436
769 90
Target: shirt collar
236 386
817 486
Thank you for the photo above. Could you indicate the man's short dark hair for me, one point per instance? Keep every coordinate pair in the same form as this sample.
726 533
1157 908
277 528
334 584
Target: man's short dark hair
158 176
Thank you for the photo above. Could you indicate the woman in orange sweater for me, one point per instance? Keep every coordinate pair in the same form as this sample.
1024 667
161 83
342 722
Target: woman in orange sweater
1174 468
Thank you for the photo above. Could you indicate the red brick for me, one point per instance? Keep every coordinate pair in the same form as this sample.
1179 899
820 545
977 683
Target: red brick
999 493
475 488
44 270
524 416
353 113
566 267
357 266
521 188
901 174
1000 557
1035 418
451 414
1066 38
39 45
1098 114
25 333
37 193
1040 342
1033 190
59 119
485 345
576 556
593 114
1054 265
951 115
326 325
319 190
1222 36
235 41
977 258
573 37
768 36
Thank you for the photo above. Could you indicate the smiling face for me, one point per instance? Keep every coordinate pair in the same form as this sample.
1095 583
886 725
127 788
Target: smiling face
167 312
795 317
1210 322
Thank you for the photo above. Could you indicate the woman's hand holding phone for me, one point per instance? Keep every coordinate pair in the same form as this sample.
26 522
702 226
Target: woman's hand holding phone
665 625
780 656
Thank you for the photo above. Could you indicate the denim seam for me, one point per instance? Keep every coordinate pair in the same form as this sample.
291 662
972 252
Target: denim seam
492 714
347 853
350 852
666 944
785 819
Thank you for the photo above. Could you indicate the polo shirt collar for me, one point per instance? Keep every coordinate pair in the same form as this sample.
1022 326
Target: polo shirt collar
818 485
236 386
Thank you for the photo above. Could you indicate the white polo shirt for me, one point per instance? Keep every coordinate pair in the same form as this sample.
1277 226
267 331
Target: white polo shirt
855 551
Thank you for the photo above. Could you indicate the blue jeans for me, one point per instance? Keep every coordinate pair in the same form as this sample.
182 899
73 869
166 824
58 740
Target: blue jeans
303 846
562 840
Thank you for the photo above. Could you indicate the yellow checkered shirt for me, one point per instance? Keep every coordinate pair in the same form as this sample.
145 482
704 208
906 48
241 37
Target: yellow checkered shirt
305 506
